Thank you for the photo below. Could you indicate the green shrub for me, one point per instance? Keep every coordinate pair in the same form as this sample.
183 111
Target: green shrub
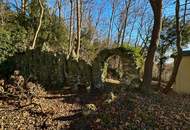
6 46
12 39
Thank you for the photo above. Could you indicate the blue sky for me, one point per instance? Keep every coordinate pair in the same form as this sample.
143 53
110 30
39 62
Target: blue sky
168 10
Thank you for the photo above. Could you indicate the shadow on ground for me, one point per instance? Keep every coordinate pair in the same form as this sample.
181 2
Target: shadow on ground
79 121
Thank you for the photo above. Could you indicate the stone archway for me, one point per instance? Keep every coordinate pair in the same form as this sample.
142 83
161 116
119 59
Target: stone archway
130 69
113 70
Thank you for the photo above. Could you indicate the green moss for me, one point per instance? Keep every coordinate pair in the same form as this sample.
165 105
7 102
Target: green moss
129 56
104 71
136 52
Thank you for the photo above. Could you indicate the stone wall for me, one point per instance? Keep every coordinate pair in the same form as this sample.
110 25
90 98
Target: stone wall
45 67
53 70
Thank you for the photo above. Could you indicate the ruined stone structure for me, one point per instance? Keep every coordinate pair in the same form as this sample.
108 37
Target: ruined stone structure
53 70
129 65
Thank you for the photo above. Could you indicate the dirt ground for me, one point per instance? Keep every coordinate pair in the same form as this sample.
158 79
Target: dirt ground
28 106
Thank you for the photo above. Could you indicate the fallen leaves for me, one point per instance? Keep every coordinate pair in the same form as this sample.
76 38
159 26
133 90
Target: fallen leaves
24 106
138 111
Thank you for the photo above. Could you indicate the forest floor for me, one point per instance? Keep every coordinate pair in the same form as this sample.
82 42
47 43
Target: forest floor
26 105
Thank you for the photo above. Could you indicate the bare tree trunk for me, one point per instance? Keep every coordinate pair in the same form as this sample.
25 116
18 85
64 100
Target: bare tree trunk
147 78
128 4
121 34
110 28
23 8
96 24
111 22
78 4
179 50
74 39
185 12
71 28
161 63
124 29
160 74
60 7
39 26
2 14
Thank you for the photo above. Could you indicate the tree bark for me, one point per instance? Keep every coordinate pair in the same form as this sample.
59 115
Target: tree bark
110 28
39 26
160 69
185 12
23 8
71 29
111 22
60 7
125 22
147 78
179 50
121 33
96 24
160 74
78 4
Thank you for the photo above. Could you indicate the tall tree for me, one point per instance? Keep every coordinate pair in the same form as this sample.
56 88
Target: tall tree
78 5
123 23
113 5
165 45
100 10
2 13
185 11
162 48
179 49
23 8
71 29
59 3
128 4
157 10
39 26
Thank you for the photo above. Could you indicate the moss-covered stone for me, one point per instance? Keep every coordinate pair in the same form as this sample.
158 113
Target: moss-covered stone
53 70
130 67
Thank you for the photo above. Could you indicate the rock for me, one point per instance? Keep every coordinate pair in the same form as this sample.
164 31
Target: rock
89 109
1 89
16 72
2 82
